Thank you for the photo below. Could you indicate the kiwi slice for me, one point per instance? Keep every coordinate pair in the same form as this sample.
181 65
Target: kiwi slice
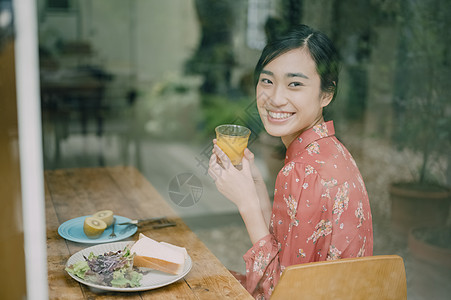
106 216
93 227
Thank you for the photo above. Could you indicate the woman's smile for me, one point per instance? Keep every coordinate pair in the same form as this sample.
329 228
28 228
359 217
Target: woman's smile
279 116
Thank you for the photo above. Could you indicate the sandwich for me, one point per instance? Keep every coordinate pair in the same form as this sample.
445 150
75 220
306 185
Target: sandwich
159 256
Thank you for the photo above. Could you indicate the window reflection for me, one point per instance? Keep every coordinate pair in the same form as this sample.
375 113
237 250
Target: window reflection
145 83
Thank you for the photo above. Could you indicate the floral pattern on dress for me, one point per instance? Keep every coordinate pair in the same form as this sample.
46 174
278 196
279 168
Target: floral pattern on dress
362 249
271 287
321 130
341 201
287 169
333 253
313 148
292 206
329 183
322 229
362 184
301 253
340 149
261 261
309 170
326 194
260 297
359 213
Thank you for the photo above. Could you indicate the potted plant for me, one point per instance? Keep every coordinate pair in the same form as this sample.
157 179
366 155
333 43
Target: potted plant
422 108
431 244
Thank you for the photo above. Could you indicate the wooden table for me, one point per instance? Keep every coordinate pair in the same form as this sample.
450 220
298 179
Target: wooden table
70 193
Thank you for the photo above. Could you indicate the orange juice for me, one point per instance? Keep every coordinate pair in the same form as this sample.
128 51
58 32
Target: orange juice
233 147
232 139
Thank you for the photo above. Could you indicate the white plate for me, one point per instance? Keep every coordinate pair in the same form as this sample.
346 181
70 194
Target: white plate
151 280
72 230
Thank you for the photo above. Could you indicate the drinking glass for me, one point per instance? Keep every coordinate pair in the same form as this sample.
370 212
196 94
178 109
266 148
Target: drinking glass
233 139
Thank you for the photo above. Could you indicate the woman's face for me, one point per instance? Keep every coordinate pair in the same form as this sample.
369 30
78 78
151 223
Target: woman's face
289 97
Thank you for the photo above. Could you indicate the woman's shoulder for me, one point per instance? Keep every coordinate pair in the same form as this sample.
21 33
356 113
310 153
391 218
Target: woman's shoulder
326 157
321 150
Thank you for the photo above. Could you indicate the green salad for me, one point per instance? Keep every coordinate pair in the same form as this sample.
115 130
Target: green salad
113 269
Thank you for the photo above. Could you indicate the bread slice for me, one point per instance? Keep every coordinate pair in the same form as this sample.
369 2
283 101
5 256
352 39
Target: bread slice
177 248
158 256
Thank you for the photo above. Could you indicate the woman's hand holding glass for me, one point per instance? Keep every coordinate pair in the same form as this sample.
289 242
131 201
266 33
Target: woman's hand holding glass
239 187
236 185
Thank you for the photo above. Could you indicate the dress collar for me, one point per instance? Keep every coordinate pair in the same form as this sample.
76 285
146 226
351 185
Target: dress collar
307 137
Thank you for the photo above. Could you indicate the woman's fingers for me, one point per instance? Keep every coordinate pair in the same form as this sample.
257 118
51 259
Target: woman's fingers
249 155
220 162
225 160
214 169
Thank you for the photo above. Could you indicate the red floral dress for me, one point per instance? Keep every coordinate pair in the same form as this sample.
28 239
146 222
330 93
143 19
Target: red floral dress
321 211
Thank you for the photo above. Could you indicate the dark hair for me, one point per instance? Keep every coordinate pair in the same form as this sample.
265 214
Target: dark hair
321 49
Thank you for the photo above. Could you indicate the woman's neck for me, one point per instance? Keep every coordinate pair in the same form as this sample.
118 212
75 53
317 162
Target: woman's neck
287 140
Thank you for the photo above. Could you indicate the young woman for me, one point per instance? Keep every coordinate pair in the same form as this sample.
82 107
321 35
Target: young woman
321 209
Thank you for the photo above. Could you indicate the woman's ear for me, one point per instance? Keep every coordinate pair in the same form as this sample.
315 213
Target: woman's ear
326 98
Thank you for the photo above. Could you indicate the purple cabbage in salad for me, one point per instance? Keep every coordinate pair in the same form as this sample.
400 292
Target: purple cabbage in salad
113 269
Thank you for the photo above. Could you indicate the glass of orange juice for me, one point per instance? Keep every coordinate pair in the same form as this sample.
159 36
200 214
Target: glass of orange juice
232 139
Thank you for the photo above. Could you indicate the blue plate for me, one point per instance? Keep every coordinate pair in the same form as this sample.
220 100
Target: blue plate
72 230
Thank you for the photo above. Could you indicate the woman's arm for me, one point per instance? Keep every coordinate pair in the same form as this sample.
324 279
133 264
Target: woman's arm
260 186
239 187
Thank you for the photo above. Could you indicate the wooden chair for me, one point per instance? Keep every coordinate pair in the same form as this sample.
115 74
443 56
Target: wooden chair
362 278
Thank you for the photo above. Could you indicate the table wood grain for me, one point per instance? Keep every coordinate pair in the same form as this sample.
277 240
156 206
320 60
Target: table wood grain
71 193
